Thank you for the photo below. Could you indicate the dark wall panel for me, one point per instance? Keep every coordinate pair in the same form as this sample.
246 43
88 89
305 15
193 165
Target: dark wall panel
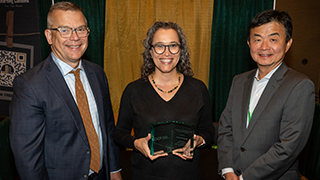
304 55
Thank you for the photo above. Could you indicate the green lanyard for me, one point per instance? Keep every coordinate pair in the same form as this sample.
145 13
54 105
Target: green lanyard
250 114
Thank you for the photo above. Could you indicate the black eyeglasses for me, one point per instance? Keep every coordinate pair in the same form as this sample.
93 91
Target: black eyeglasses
160 48
66 32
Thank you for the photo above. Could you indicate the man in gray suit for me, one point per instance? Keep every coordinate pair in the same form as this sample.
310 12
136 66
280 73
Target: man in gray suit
269 113
54 133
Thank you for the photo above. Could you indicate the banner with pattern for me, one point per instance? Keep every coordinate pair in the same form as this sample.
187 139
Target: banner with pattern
20 47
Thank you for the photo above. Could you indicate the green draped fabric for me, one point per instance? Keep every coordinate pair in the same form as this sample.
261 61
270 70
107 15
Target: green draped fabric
95 13
229 50
7 166
310 157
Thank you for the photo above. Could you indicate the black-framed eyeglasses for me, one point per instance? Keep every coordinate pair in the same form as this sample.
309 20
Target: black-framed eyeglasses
173 48
66 32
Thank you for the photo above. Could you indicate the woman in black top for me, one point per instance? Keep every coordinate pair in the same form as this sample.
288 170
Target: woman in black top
165 92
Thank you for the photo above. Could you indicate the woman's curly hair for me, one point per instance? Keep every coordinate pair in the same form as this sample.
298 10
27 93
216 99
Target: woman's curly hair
183 66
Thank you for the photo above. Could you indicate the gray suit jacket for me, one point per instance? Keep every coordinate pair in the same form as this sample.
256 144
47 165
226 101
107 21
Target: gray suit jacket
278 130
47 135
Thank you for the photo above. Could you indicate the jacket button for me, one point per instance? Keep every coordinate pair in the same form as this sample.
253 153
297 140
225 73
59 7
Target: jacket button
85 176
242 149
88 152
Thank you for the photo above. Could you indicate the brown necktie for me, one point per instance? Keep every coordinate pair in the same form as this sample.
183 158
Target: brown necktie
87 121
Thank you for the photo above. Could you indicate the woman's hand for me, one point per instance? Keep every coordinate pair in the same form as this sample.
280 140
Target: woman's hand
185 152
142 145
198 140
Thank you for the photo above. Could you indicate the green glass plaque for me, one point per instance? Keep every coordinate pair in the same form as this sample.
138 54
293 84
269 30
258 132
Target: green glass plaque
172 137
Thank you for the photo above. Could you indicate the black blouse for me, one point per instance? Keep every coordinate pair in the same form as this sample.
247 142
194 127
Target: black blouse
141 105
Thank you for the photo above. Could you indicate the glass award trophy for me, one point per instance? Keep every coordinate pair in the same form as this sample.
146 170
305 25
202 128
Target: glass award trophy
172 137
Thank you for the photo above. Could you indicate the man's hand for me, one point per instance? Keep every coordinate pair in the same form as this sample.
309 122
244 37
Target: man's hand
116 176
142 145
231 176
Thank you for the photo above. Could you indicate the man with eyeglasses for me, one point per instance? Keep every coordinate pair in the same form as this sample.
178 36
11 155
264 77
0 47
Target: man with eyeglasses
61 115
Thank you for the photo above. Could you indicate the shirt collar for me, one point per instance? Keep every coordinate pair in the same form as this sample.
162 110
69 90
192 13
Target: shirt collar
64 67
268 76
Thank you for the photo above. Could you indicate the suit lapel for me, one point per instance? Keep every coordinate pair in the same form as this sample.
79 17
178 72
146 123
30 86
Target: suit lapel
97 93
266 96
245 100
58 83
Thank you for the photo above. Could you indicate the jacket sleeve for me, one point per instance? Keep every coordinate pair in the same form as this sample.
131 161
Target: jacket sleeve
114 159
27 130
225 138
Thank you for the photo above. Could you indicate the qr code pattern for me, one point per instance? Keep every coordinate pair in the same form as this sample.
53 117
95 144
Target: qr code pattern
12 64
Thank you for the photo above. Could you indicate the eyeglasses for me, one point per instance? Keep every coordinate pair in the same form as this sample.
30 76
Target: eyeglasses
160 48
66 32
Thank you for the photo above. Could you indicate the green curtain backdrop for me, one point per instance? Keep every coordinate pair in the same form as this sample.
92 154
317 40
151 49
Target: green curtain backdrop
309 164
229 50
95 13
7 167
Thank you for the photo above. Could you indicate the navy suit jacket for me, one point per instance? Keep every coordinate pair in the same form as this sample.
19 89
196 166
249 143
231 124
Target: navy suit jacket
278 131
47 135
